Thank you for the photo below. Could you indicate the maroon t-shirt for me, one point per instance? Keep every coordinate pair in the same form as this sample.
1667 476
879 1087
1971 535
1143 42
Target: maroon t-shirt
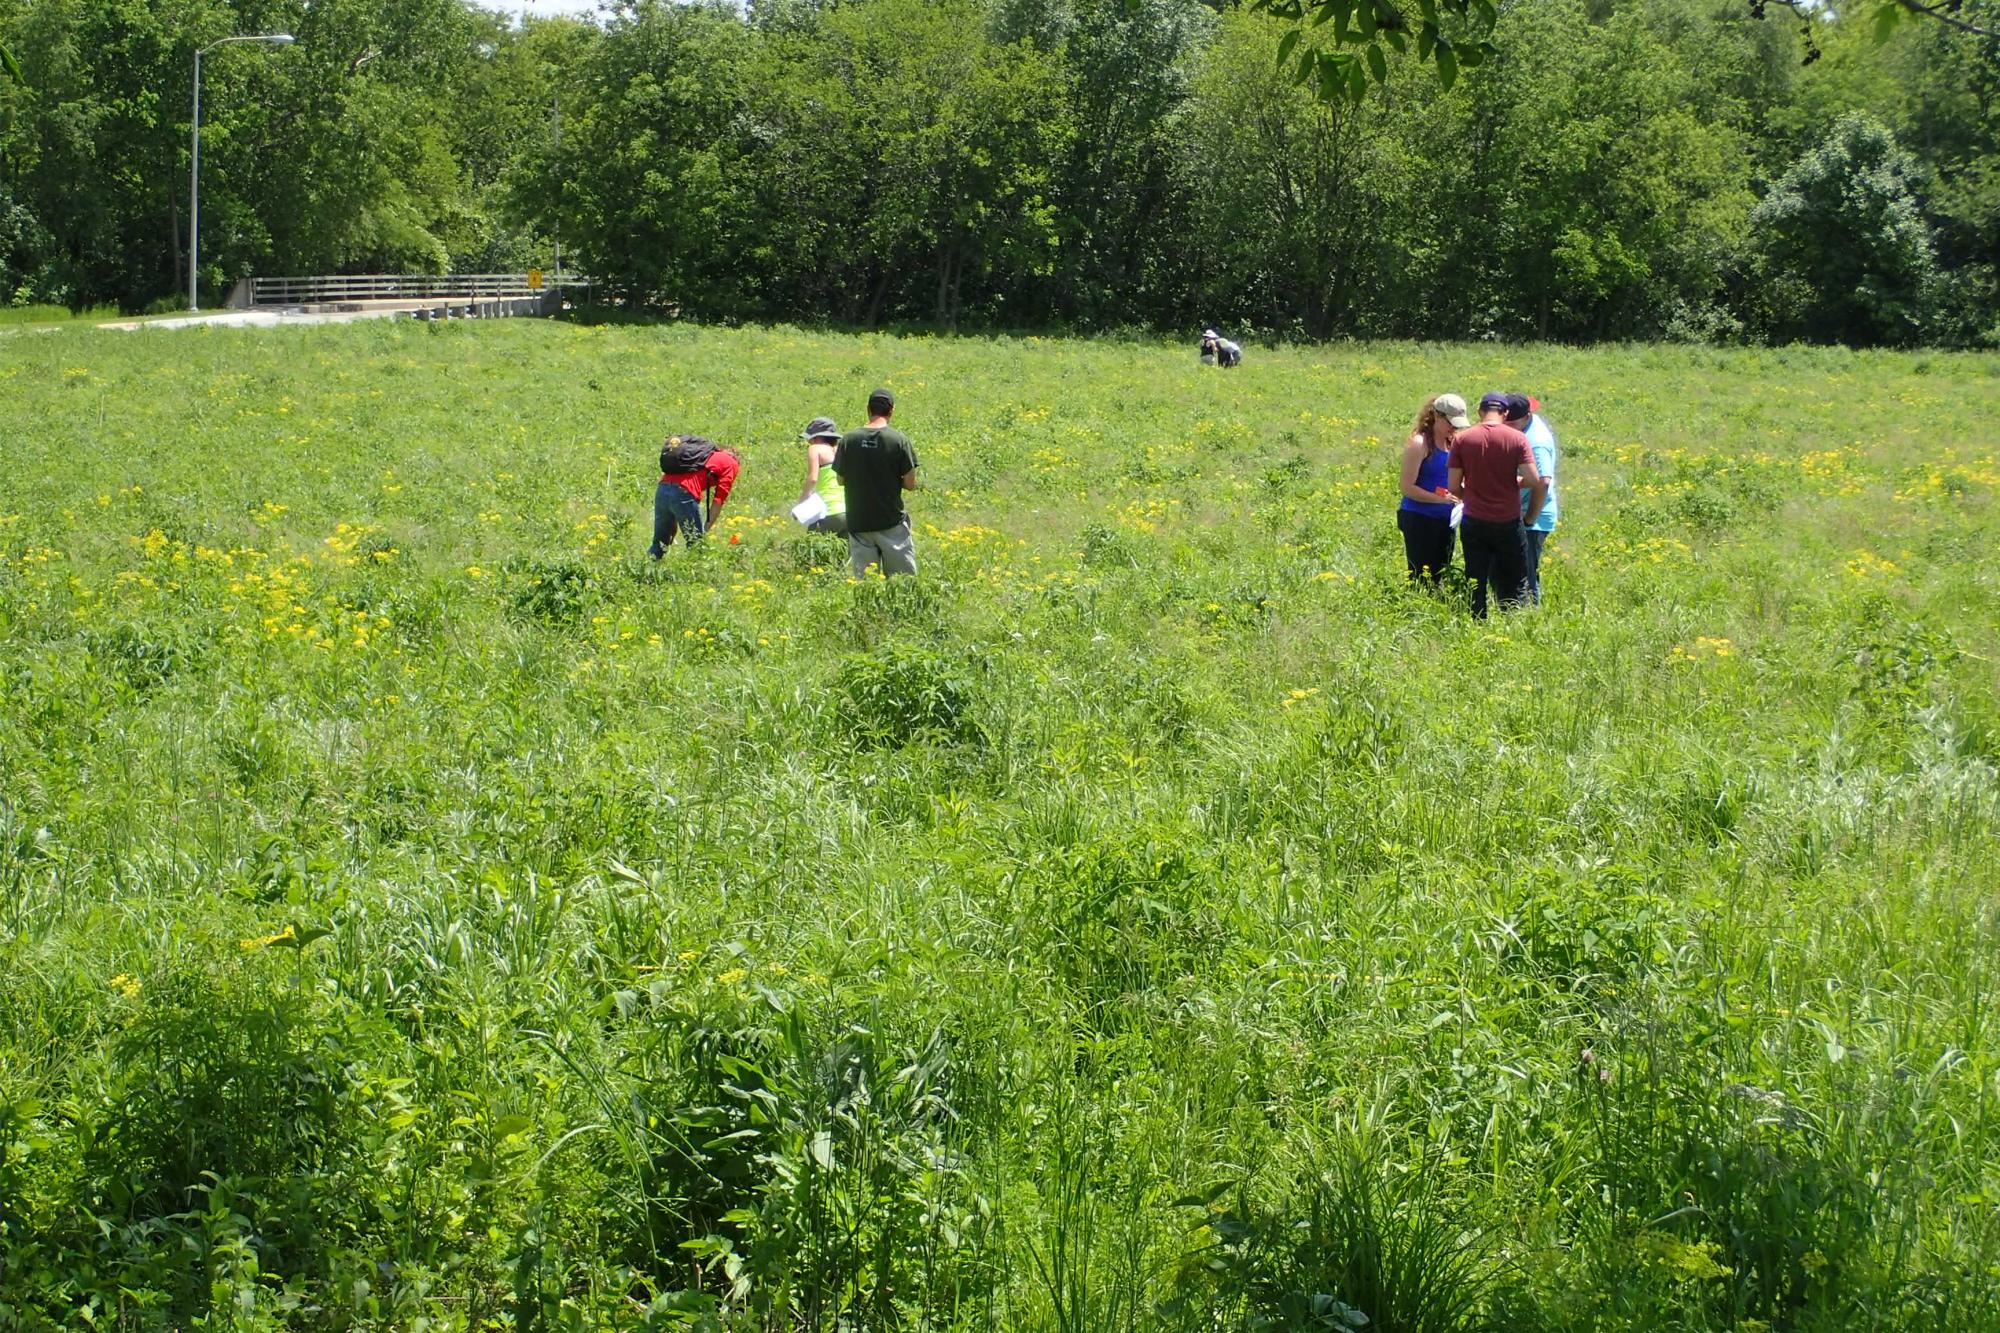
1489 455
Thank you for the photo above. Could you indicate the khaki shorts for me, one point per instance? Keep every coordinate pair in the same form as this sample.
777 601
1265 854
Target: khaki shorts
892 548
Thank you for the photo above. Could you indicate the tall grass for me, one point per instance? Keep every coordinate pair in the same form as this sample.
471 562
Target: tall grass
54 314
419 909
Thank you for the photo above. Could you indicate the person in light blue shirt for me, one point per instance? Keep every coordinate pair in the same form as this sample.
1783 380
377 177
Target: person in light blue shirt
1542 441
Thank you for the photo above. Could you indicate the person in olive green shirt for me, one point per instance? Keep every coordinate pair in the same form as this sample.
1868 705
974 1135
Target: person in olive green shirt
876 465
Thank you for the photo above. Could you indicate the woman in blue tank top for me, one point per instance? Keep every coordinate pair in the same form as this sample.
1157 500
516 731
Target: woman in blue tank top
1425 514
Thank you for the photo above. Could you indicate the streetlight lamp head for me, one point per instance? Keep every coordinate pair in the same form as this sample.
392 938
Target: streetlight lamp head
281 39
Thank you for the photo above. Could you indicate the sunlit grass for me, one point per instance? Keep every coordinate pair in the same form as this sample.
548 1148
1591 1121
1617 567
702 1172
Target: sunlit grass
1154 916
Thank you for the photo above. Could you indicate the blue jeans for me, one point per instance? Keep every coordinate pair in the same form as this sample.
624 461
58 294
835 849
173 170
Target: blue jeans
1535 540
674 508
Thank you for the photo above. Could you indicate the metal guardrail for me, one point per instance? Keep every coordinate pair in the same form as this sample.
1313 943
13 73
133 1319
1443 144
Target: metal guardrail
468 287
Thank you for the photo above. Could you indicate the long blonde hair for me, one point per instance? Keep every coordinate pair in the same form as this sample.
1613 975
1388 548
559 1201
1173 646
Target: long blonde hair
1426 425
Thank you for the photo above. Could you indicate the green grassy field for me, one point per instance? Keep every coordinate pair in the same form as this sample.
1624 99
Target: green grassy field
419 910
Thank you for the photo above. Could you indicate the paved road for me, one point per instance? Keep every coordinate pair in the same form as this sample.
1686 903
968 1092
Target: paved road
255 319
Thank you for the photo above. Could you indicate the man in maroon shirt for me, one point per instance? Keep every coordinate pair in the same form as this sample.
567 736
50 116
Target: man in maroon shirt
1491 465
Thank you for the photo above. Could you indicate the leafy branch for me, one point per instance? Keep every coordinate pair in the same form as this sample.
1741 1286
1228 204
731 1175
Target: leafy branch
1376 27
1366 27
1946 13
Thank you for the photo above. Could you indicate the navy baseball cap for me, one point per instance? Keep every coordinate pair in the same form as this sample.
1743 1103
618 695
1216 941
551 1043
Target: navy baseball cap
1495 402
1518 407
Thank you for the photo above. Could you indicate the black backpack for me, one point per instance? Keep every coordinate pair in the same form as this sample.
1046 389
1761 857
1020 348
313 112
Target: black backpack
685 453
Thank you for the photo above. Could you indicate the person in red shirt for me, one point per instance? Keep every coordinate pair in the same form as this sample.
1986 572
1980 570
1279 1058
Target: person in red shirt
678 500
1491 464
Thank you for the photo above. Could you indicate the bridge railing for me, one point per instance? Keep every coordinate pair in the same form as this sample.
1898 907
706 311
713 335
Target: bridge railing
401 287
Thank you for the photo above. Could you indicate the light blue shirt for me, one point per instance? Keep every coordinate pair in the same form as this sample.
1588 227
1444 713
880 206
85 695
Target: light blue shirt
1542 441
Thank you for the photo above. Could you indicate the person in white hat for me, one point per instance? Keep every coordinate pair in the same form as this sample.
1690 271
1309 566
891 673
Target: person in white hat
1424 517
1217 350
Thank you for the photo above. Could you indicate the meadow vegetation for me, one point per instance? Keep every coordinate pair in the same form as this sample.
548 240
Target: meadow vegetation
1725 171
420 910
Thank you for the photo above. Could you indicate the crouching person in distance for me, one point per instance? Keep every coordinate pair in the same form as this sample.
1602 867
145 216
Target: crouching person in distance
695 479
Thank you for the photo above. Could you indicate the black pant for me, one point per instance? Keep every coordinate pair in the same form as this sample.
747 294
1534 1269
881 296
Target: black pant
1427 544
1499 552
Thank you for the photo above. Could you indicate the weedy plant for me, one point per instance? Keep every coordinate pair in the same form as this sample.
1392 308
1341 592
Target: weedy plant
421 909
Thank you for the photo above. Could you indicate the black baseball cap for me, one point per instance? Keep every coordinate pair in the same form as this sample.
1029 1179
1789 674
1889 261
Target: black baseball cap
882 396
1518 407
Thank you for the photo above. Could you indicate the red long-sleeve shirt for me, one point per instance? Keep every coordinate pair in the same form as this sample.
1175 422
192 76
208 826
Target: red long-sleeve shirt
717 473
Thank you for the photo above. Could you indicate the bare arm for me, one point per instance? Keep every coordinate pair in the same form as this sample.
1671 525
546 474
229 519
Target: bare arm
1537 487
812 474
1413 458
1455 478
910 480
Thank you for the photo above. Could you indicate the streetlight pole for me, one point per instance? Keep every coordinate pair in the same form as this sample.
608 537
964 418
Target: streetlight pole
194 172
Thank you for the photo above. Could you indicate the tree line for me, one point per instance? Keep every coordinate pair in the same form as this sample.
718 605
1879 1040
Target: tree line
1609 169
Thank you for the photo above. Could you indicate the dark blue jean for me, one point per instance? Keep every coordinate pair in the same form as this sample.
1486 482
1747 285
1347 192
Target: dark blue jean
1535 540
674 508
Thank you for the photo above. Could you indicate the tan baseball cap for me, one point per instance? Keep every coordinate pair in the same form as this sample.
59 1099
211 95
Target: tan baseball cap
1452 408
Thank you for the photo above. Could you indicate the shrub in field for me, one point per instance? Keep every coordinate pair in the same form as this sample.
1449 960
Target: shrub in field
1105 547
1899 665
143 657
815 1174
904 693
884 609
1732 1201
1122 920
1705 508
1584 931
197 1176
556 593
1358 1241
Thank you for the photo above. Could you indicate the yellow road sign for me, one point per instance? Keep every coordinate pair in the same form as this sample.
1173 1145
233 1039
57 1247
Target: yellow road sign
534 279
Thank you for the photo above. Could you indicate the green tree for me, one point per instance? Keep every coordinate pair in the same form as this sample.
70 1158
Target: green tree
1122 199
928 146
1297 202
1844 251
1618 182
645 182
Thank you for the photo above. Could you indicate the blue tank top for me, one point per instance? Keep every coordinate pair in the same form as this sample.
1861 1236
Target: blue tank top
1432 473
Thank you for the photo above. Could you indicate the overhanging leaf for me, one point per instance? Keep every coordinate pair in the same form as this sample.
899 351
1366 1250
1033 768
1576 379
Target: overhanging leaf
1447 60
1378 64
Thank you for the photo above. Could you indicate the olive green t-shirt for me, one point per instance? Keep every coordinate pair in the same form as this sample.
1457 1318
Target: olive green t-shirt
871 463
